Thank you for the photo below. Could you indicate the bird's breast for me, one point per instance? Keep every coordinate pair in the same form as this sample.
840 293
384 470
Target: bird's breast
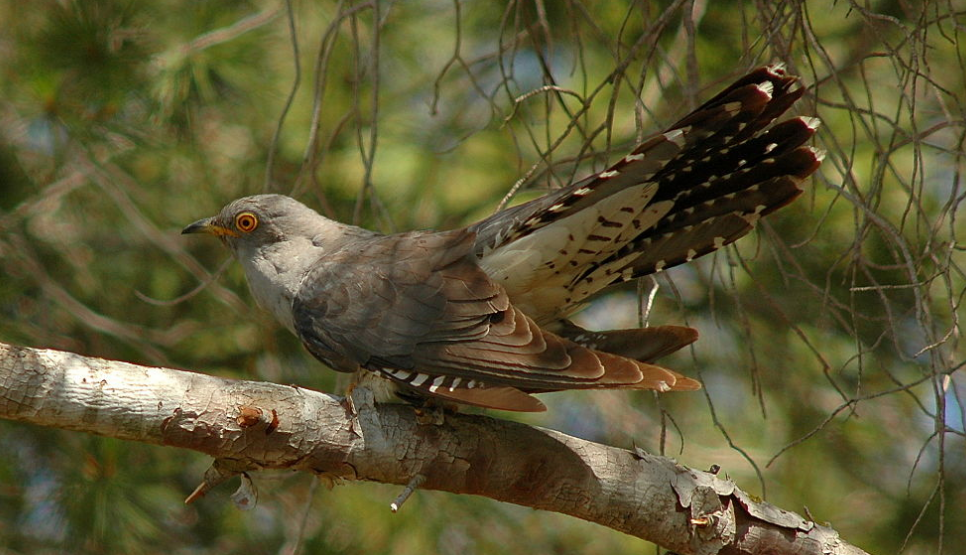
275 274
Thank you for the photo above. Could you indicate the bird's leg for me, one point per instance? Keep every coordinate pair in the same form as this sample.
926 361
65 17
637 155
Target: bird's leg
348 404
362 381
359 399
359 396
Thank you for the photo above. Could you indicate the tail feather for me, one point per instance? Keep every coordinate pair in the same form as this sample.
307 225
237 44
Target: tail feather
502 378
643 344
700 185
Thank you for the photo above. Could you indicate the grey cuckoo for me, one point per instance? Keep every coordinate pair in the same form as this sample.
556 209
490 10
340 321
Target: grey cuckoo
478 315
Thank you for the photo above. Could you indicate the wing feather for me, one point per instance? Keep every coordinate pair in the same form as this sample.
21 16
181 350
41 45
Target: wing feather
419 309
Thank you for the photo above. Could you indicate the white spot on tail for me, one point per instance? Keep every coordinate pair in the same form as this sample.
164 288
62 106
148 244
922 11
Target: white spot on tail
767 87
609 174
456 383
659 266
691 254
770 147
662 386
583 190
633 157
677 136
719 242
811 122
420 379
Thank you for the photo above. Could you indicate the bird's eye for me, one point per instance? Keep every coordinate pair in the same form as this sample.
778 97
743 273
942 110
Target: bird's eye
246 221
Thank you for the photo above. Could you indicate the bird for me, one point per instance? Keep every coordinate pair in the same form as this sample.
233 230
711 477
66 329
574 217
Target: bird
480 315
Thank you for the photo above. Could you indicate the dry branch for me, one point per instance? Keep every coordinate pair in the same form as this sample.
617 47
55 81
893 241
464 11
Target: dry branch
248 425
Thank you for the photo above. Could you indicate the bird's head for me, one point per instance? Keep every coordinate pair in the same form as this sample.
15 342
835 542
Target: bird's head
250 223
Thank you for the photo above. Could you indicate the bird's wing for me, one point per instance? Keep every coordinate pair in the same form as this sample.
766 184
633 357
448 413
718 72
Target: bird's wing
379 296
418 309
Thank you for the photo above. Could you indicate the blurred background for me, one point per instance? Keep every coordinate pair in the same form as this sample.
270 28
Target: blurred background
830 336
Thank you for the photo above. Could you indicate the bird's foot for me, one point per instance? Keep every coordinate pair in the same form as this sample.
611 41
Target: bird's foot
357 400
430 415
349 405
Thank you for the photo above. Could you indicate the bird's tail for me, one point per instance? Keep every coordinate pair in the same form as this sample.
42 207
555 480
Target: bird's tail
684 193
728 172
642 344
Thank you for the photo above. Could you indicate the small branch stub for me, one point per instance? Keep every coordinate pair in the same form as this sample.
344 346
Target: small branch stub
220 471
248 416
410 488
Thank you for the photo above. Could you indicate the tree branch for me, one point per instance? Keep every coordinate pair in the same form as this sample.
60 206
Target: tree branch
248 425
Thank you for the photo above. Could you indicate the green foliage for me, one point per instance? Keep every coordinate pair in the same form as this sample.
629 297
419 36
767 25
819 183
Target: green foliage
828 338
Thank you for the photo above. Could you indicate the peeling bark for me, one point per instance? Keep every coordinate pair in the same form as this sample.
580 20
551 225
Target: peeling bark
248 425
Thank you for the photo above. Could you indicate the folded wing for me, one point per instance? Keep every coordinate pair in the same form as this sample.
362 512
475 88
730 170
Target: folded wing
418 309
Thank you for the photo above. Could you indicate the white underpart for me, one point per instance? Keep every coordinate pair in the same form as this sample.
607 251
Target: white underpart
522 264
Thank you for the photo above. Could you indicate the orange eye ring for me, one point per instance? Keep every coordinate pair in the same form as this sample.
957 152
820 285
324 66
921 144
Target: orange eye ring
246 222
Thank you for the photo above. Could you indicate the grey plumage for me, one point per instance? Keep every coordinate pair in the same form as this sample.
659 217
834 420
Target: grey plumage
477 315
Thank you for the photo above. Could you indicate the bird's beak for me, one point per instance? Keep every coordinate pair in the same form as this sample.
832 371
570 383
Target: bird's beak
208 226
